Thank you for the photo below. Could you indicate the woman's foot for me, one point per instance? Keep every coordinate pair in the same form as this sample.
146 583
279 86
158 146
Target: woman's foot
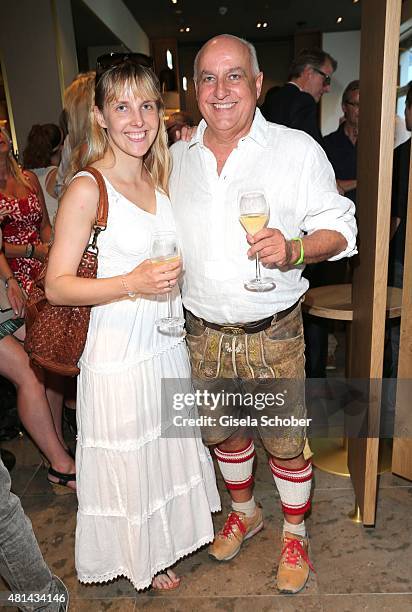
166 581
63 474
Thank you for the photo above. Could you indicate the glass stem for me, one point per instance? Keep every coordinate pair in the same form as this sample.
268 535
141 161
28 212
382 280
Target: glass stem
169 305
258 277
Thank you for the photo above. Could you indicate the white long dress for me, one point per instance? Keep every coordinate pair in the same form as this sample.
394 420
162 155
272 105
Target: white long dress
144 499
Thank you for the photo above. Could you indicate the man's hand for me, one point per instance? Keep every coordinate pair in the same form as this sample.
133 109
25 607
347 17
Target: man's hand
273 248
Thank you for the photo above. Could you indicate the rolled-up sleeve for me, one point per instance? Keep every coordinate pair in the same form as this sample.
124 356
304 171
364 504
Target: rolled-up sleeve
326 209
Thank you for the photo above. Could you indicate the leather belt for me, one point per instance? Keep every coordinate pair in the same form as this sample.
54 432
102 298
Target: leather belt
247 328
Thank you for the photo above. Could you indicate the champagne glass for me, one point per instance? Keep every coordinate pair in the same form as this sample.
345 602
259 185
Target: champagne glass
165 249
254 215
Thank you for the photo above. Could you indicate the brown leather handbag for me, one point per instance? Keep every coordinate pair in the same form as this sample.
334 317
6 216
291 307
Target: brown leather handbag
56 335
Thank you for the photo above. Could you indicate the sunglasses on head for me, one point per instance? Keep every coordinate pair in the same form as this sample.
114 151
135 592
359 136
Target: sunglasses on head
326 77
110 60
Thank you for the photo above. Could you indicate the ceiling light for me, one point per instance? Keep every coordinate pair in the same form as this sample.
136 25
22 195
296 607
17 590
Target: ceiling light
187 29
184 83
339 19
174 1
258 25
181 30
264 25
355 1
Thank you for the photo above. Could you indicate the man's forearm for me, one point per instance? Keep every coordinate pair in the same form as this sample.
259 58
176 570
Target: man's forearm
319 246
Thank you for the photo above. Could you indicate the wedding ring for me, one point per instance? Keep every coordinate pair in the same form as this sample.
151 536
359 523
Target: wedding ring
168 282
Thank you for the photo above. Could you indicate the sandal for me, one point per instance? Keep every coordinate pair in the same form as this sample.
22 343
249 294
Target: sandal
61 485
175 581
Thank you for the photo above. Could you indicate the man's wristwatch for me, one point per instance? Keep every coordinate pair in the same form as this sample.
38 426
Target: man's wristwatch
29 250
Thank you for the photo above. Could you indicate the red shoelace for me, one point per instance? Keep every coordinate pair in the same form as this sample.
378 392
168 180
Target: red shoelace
232 520
294 550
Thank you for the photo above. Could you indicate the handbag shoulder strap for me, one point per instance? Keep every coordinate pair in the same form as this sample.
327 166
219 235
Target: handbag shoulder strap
103 206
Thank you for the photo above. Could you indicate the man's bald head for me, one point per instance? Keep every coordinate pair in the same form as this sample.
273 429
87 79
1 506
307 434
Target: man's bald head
254 64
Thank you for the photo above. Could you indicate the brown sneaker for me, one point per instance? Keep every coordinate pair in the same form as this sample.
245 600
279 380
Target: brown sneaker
236 530
294 564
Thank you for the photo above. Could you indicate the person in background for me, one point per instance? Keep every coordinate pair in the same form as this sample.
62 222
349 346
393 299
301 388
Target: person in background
399 213
26 226
296 106
296 103
341 149
341 146
401 133
21 563
42 155
21 218
78 100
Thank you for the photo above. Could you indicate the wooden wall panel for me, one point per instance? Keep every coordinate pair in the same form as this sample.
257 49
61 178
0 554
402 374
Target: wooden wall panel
378 72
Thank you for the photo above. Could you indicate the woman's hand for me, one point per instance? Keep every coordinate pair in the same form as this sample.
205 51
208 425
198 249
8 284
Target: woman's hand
40 251
186 133
150 278
16 297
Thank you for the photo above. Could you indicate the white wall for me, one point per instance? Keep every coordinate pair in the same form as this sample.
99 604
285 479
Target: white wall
29 53
345 48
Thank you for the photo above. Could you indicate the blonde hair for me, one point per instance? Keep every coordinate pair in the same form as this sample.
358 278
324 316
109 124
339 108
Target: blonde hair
78 104
12 165
138 81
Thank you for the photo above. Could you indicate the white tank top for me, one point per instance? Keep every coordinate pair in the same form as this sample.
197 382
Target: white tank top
51 203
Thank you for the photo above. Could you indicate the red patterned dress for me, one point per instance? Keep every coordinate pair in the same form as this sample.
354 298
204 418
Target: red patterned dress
21 225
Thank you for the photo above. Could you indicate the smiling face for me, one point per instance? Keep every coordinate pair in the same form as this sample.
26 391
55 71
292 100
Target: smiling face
131 122
226 88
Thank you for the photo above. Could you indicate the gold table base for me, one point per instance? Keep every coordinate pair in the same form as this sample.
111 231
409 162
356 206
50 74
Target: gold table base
331 455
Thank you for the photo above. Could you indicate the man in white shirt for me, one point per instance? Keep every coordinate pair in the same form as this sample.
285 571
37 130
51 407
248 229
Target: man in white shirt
241 340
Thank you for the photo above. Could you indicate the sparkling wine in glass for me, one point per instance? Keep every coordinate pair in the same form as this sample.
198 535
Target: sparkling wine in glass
165 249
254 215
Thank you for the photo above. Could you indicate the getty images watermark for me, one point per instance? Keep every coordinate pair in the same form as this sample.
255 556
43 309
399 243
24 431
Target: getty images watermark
242 402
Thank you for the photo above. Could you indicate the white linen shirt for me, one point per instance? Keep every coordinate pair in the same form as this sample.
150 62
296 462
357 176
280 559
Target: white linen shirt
293 172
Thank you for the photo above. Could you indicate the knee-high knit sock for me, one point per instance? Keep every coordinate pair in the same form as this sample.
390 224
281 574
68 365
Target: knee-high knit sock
236 466
293 486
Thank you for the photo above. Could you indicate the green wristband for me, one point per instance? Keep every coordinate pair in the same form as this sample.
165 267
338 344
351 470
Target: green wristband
302 252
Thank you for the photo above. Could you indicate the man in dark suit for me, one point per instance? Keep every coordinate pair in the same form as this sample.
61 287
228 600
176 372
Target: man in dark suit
295 104
400 187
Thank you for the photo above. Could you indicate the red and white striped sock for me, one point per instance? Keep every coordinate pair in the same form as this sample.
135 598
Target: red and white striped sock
236 467
293 486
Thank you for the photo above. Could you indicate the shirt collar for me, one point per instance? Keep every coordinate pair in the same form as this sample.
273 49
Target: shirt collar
258 131
295 84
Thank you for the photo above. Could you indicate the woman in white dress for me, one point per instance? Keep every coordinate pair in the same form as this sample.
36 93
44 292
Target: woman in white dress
144 499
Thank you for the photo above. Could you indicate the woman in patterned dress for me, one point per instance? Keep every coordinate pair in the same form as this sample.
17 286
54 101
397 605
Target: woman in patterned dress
26 230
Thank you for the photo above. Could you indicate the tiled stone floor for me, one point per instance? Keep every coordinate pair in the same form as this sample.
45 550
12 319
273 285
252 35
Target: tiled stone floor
357 568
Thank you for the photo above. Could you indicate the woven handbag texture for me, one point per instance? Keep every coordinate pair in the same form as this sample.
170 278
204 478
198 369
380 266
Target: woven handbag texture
56 335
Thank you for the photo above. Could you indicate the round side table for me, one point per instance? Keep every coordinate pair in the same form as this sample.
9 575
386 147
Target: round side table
335 302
